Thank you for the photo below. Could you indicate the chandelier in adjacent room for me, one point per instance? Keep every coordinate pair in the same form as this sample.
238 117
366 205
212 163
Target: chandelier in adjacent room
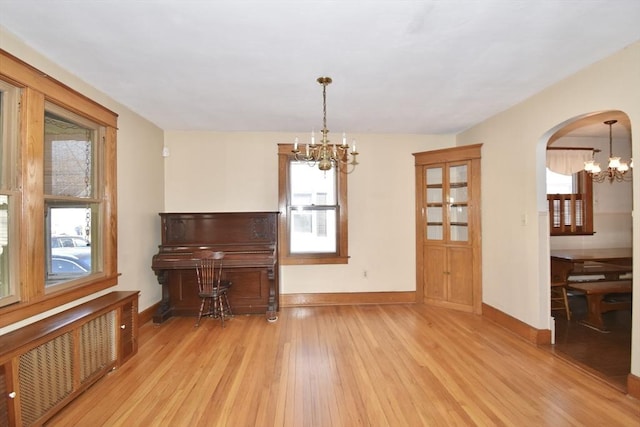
324 154
617 170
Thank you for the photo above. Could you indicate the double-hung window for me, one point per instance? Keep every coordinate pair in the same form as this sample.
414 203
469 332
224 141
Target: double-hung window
313 212
57 193
72 157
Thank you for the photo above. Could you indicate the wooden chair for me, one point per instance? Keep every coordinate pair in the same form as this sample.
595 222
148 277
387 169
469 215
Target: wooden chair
212 290
559 300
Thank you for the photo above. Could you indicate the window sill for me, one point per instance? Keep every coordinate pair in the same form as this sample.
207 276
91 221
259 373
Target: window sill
313 260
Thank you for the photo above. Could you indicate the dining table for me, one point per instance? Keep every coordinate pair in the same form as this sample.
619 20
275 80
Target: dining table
598 273
609 262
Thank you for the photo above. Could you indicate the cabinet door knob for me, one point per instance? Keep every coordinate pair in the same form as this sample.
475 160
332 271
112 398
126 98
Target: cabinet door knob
12 395
123 326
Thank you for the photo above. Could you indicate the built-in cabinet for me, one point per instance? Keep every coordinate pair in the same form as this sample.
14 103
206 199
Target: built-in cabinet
448 264
45 365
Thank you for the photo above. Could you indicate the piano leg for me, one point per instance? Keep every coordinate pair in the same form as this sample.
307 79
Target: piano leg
162 313
272 304
272 316
164 309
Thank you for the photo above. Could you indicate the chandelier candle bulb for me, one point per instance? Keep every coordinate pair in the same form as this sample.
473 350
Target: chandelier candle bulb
344 139
295 144
614 162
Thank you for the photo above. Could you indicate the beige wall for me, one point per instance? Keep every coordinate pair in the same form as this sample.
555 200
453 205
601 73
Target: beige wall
239 171
140 183
514 218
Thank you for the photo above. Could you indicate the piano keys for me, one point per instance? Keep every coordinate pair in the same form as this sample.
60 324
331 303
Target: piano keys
250 243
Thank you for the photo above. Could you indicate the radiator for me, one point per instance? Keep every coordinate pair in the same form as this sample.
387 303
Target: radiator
46 373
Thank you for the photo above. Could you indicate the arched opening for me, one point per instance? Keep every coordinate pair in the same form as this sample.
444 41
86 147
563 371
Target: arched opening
592 261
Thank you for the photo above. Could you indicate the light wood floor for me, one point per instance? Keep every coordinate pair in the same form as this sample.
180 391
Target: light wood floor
395 365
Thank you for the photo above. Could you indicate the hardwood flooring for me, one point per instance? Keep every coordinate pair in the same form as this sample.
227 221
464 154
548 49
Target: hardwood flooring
376 365
605 354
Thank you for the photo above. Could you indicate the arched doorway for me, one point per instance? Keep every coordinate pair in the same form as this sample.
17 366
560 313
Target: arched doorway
605 350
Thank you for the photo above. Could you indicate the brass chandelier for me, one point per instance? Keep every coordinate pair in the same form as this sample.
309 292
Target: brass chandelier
617 170
324 154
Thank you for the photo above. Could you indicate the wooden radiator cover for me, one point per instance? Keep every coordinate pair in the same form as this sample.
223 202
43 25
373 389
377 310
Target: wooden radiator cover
43 366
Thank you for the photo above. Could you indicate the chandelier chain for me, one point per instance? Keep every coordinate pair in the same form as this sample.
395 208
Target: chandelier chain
324 107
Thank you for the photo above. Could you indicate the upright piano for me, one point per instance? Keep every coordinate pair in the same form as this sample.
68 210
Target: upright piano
250 243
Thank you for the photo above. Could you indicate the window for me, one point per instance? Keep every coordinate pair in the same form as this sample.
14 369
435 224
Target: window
72 199
9 132
570 199
558 183
313 212
57 192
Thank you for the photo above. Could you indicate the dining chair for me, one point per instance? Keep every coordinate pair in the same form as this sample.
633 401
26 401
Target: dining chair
212 289
559 299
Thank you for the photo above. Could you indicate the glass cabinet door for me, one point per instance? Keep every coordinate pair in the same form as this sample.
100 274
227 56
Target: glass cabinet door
434 209
458 203
447 202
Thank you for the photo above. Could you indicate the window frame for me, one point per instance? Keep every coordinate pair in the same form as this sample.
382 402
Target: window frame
92 201
341 256
8 182
38 89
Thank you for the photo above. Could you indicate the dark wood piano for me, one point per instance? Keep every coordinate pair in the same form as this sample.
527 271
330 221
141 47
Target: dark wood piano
250 243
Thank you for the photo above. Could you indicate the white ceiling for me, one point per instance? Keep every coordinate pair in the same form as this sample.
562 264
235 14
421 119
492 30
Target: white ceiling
398 66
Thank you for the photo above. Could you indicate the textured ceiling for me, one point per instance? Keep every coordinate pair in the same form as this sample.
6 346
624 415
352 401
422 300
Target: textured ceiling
397 66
